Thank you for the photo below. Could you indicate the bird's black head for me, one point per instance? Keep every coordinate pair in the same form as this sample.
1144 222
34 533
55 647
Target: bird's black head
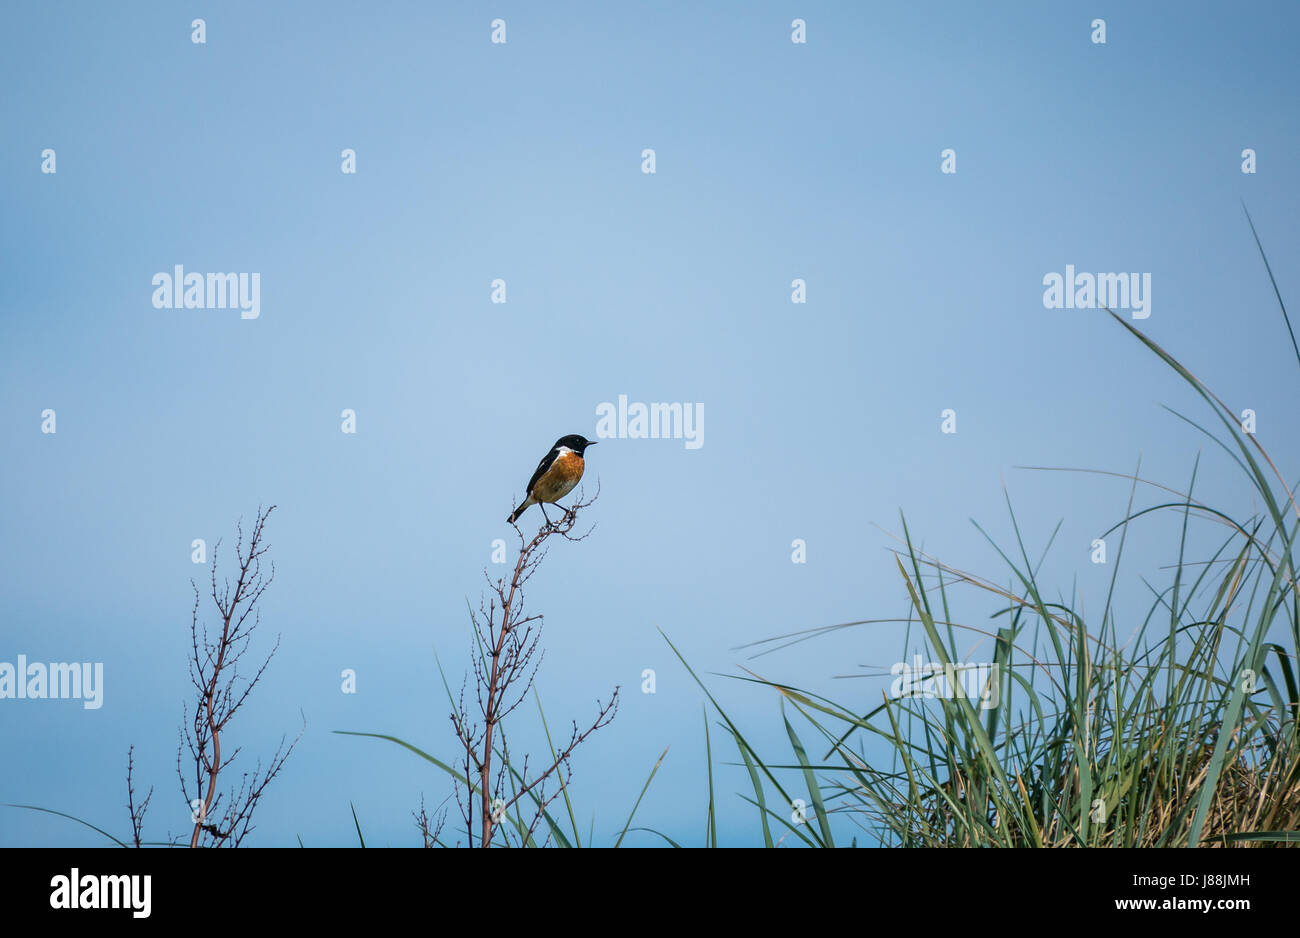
574 442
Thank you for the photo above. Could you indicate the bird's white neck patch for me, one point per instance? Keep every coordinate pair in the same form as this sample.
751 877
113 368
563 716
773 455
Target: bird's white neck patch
561 450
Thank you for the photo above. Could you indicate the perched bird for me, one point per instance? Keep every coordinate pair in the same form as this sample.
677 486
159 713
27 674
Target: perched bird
556 475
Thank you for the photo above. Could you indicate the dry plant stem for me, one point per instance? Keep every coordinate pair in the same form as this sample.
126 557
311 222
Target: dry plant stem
512 643
136 811
430 829
493 699
214 672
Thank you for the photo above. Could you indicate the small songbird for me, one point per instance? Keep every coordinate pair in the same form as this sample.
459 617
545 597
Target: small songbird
556 475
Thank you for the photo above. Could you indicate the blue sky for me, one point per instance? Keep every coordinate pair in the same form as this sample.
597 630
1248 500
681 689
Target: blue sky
523 161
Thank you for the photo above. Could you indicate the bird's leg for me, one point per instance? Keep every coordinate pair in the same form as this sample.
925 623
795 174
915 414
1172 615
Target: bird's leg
542 505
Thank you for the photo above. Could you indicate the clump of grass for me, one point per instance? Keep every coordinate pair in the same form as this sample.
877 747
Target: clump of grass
1184 734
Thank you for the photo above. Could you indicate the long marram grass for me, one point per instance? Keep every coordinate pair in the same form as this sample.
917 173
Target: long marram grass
1183 733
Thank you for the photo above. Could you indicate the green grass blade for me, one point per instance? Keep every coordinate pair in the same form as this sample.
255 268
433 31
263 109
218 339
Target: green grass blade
644 789
814 790
711 829
1273 281
758 790
358 824
32 807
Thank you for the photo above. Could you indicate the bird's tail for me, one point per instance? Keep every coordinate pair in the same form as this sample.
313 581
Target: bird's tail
514 515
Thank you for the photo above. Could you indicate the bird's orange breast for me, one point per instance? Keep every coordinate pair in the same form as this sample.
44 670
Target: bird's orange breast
560 479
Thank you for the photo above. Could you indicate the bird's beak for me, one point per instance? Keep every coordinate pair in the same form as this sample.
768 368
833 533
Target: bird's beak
592 442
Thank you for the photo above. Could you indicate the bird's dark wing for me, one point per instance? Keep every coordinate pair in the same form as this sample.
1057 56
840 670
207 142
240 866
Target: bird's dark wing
541 469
